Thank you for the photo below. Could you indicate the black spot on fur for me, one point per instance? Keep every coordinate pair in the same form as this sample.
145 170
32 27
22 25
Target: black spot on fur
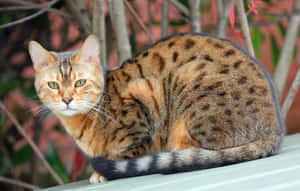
189 43
208 58
225 71
237 64
201 96
221 104
223 93
242 80
146 54
196 86
212 119
197 126
171 44
158 58
249 102
255 110
192 58
236 95
124 112
200 66
227 112
217 45
229 53
251 90
175 56
205 107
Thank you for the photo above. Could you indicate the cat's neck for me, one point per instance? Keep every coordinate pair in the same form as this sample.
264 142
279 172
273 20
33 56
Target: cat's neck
80 127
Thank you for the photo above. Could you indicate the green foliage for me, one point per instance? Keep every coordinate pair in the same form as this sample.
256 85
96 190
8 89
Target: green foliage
56 163
257 40
22 155
275 51
8 82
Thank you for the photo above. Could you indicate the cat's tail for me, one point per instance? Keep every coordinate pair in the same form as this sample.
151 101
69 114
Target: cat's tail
184 160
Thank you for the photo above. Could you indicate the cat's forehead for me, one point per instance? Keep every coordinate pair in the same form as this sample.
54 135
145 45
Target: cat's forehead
64 64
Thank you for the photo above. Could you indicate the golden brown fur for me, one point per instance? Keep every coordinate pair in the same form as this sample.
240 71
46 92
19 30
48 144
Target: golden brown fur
187 92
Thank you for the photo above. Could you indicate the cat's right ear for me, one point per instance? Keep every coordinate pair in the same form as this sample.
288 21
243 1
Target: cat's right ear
40 57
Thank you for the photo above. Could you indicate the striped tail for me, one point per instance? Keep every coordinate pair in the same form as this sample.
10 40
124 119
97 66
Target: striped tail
184 160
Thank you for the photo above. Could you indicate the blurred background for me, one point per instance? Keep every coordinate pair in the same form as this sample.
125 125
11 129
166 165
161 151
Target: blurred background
61 25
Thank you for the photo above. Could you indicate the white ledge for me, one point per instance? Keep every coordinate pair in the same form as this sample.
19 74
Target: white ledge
276 173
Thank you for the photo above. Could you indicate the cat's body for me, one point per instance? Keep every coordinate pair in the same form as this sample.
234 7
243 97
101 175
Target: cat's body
189 102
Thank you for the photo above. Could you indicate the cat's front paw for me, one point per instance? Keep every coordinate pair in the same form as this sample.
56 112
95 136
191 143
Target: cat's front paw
97 178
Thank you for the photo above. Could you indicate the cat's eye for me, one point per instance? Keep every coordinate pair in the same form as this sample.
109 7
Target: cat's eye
80 83
53 85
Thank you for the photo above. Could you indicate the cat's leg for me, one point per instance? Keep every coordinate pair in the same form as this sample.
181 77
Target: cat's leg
96 177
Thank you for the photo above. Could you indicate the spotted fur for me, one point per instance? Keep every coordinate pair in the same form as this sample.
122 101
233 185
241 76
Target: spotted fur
190 101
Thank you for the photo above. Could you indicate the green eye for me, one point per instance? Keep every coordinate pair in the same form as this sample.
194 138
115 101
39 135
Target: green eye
79 83
53 85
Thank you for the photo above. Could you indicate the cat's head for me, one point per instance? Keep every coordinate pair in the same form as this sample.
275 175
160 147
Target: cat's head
68 83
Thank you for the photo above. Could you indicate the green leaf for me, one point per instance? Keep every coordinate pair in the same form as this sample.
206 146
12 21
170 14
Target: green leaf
282 29
275 51
54 160
177 22
22 155
257 40
8 82
29 91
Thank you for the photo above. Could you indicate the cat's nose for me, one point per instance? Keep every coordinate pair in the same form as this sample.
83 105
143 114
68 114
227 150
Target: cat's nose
67 100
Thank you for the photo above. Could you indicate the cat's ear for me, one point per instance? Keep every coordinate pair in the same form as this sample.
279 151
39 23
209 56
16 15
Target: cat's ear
40 57
90 50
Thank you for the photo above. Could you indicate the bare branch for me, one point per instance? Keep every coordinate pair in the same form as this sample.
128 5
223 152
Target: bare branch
150 17
80 12
291 95
137 18
286 53
195 15
165 18
47 6
180 7
223 18
120 28
99 27
245 26
31 143
18 183
29 6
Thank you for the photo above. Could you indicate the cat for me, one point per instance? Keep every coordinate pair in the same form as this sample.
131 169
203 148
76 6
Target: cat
190 101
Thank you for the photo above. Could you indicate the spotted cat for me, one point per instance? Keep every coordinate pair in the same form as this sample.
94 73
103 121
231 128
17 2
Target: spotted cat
190 101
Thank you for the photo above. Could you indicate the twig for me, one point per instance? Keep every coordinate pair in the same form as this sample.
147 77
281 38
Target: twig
120 28
165 18
18 183
80 12
47 6
140 22
245 26
291 95
28 6
150 17
223 18
99 27
180 7
286 53
195 15
31 143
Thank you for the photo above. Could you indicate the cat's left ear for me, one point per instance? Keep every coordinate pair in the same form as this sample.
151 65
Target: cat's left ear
90 50
40 57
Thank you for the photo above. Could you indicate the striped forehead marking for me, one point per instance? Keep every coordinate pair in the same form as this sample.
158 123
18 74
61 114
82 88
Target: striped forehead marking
65 66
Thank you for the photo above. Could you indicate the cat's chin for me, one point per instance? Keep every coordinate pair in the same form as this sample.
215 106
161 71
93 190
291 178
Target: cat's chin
69 112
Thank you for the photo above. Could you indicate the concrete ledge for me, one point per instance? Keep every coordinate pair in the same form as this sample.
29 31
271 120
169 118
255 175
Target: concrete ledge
280 173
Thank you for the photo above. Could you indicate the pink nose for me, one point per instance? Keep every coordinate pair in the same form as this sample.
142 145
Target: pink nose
67 100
